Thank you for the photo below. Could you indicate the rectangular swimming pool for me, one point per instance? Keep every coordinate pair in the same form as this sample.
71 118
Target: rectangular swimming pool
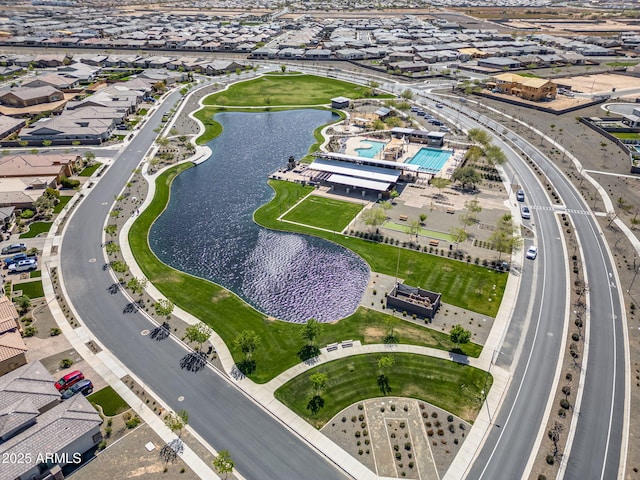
430 160
372 150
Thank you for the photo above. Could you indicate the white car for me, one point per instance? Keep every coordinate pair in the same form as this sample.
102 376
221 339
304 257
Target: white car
532 252
23 266
525 213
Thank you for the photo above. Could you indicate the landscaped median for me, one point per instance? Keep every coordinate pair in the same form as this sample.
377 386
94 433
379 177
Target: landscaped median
228 315
451 386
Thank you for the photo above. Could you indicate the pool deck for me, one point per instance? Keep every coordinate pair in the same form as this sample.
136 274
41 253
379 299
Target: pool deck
408 151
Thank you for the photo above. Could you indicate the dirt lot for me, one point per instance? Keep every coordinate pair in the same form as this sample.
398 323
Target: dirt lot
599 83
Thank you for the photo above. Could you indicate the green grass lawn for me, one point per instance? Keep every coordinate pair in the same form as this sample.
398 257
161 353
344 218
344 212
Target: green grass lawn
397 227
228 315
35 274
64 199
111 403
88 171
453 387
30 289
278 90
36 228
464 285
626 135
324 213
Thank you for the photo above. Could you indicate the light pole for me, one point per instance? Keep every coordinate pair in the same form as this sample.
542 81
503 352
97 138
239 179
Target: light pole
495 353
634 276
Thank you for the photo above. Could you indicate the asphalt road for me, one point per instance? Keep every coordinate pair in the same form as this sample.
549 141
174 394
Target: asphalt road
596 451
261 447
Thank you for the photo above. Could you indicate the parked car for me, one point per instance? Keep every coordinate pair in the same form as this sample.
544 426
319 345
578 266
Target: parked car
84 387
23 265
69 379
421 113
14 248
437 123
520 195
439 105
444 128
14 259
525 212
532 252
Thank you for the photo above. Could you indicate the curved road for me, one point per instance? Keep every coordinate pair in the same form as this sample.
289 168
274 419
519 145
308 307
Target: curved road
261 447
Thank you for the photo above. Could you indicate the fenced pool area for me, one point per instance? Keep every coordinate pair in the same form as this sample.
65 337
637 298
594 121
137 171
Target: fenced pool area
430 160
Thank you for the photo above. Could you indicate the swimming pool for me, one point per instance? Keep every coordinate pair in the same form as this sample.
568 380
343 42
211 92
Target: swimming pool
430 159
372 150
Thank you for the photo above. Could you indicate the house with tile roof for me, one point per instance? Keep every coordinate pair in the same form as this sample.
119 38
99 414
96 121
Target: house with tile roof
529 88
34 421
26 97
12 348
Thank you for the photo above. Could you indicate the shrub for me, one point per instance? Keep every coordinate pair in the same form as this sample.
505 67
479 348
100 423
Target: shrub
68 183
354 418
26 214
393 408
30 331
564 403
449 418
407 446
133 423
550 459
55 331
66 363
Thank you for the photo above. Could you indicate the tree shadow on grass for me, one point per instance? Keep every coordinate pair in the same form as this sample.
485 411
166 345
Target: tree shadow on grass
247 367
315 404
383 384
307 352
390 340
193 361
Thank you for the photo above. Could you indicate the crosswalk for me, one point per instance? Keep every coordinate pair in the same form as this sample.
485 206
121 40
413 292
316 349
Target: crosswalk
560 209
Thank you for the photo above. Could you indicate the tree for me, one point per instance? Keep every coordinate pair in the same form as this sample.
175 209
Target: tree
311 330
377 124
46 143
111 229
198 333
440 183
319 382
89 157
494 155
223 463
504 237
44 204
163 307
479 136
23 303
384 363
414 228
423 218
177 421
283 68
394 194
459 335
118 267
373 217
137 285
373 85
467 176
112 248
407 94
459 235
473 208
247 342
391 322
386 205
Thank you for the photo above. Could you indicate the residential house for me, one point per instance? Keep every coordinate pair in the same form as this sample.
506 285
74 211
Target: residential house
52 80
65 129
26 97
12 348
10 125
499 63
7 217
535 89
39 165
35 421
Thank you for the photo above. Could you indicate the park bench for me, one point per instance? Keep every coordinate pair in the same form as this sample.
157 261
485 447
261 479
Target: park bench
347 343
433 243
451 210
403 218
331 347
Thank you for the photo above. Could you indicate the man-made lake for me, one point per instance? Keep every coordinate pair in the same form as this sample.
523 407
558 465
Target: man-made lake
207 229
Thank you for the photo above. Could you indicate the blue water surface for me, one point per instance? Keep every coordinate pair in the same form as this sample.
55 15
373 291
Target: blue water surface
208 231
